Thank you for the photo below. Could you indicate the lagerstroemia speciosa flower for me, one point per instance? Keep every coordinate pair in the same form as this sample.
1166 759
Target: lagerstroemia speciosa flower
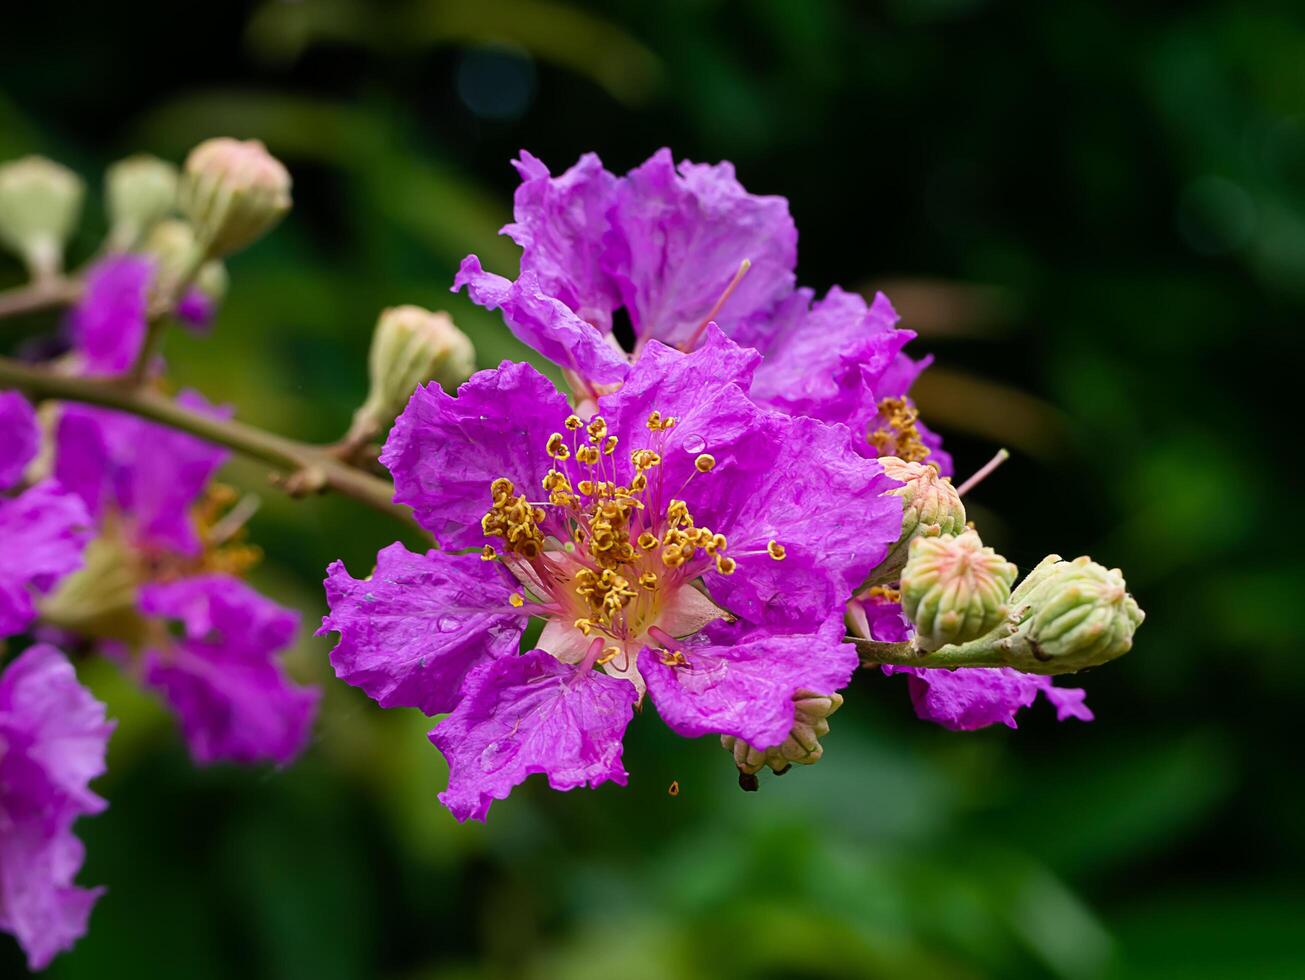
163 557
673 248
680 541
44 529
53 735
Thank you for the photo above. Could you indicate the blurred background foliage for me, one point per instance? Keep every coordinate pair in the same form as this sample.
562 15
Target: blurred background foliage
1094 215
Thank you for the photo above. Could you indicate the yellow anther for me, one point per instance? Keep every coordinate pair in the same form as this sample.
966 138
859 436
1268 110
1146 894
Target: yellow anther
597 429
586 487
516 600
655 421
488 553
647 541
725 565
669 422
556 446
639 484
777 550
587 455
573 422
584 626
610 446
502 487
705 463
898 433
677 512
648 580
609 654
673 658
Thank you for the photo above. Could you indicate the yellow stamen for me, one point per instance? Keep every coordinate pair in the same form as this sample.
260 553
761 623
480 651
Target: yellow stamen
777 550
705 463
516 600
488 553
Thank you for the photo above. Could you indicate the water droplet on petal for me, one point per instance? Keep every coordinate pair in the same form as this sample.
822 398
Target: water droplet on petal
694 444
446 624
497 754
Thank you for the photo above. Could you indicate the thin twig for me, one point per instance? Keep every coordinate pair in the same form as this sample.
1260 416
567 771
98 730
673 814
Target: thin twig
305 468
46 294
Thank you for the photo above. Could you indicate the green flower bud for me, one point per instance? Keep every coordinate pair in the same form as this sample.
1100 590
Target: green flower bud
954 589
213 280
802 747
233 192
139 191
176 252
410 346
930 507
1072 615
39 204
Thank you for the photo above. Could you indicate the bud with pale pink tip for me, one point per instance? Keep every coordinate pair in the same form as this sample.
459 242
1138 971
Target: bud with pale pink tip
930 507
233 192
954 589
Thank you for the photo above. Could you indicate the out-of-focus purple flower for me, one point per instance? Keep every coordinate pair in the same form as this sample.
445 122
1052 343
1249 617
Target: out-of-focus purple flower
976 697
630 535
145 483
109 321
677 247
223 676
196 309
43 530
53 735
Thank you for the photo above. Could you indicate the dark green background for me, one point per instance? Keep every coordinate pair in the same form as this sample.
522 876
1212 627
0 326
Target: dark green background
1094 214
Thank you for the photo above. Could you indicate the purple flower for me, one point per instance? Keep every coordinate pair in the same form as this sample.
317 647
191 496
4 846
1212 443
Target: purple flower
53 735
675 248
196 310
146 484
44 529
109 321
222 675
684 540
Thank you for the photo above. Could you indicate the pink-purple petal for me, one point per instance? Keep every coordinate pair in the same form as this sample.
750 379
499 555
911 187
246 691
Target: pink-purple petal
109 321
743 685
44 531
54 735
412 630
223 677
976 697
445 451
19 437
532 714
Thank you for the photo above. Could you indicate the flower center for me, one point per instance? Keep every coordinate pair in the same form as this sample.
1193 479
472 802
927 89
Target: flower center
609 556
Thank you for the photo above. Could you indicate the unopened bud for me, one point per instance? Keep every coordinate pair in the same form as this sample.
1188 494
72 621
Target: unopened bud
930 507
39 204
954 589
233 192
1073 614
802 747
139 191
411 346
176 253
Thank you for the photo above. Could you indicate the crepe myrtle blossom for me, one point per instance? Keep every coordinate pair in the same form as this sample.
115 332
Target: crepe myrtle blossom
53 735
161 587
680 541
673 248
44 529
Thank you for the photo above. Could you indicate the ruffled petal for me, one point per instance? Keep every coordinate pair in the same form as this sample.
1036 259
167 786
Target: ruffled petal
743 684
54 735
109 321
976 697
223 678
678 238
543 322
444 452
19 437
44 532
412 630
530 714
560 224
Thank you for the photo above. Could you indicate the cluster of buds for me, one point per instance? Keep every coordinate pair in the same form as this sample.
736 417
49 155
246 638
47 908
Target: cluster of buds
1064 617
802 747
